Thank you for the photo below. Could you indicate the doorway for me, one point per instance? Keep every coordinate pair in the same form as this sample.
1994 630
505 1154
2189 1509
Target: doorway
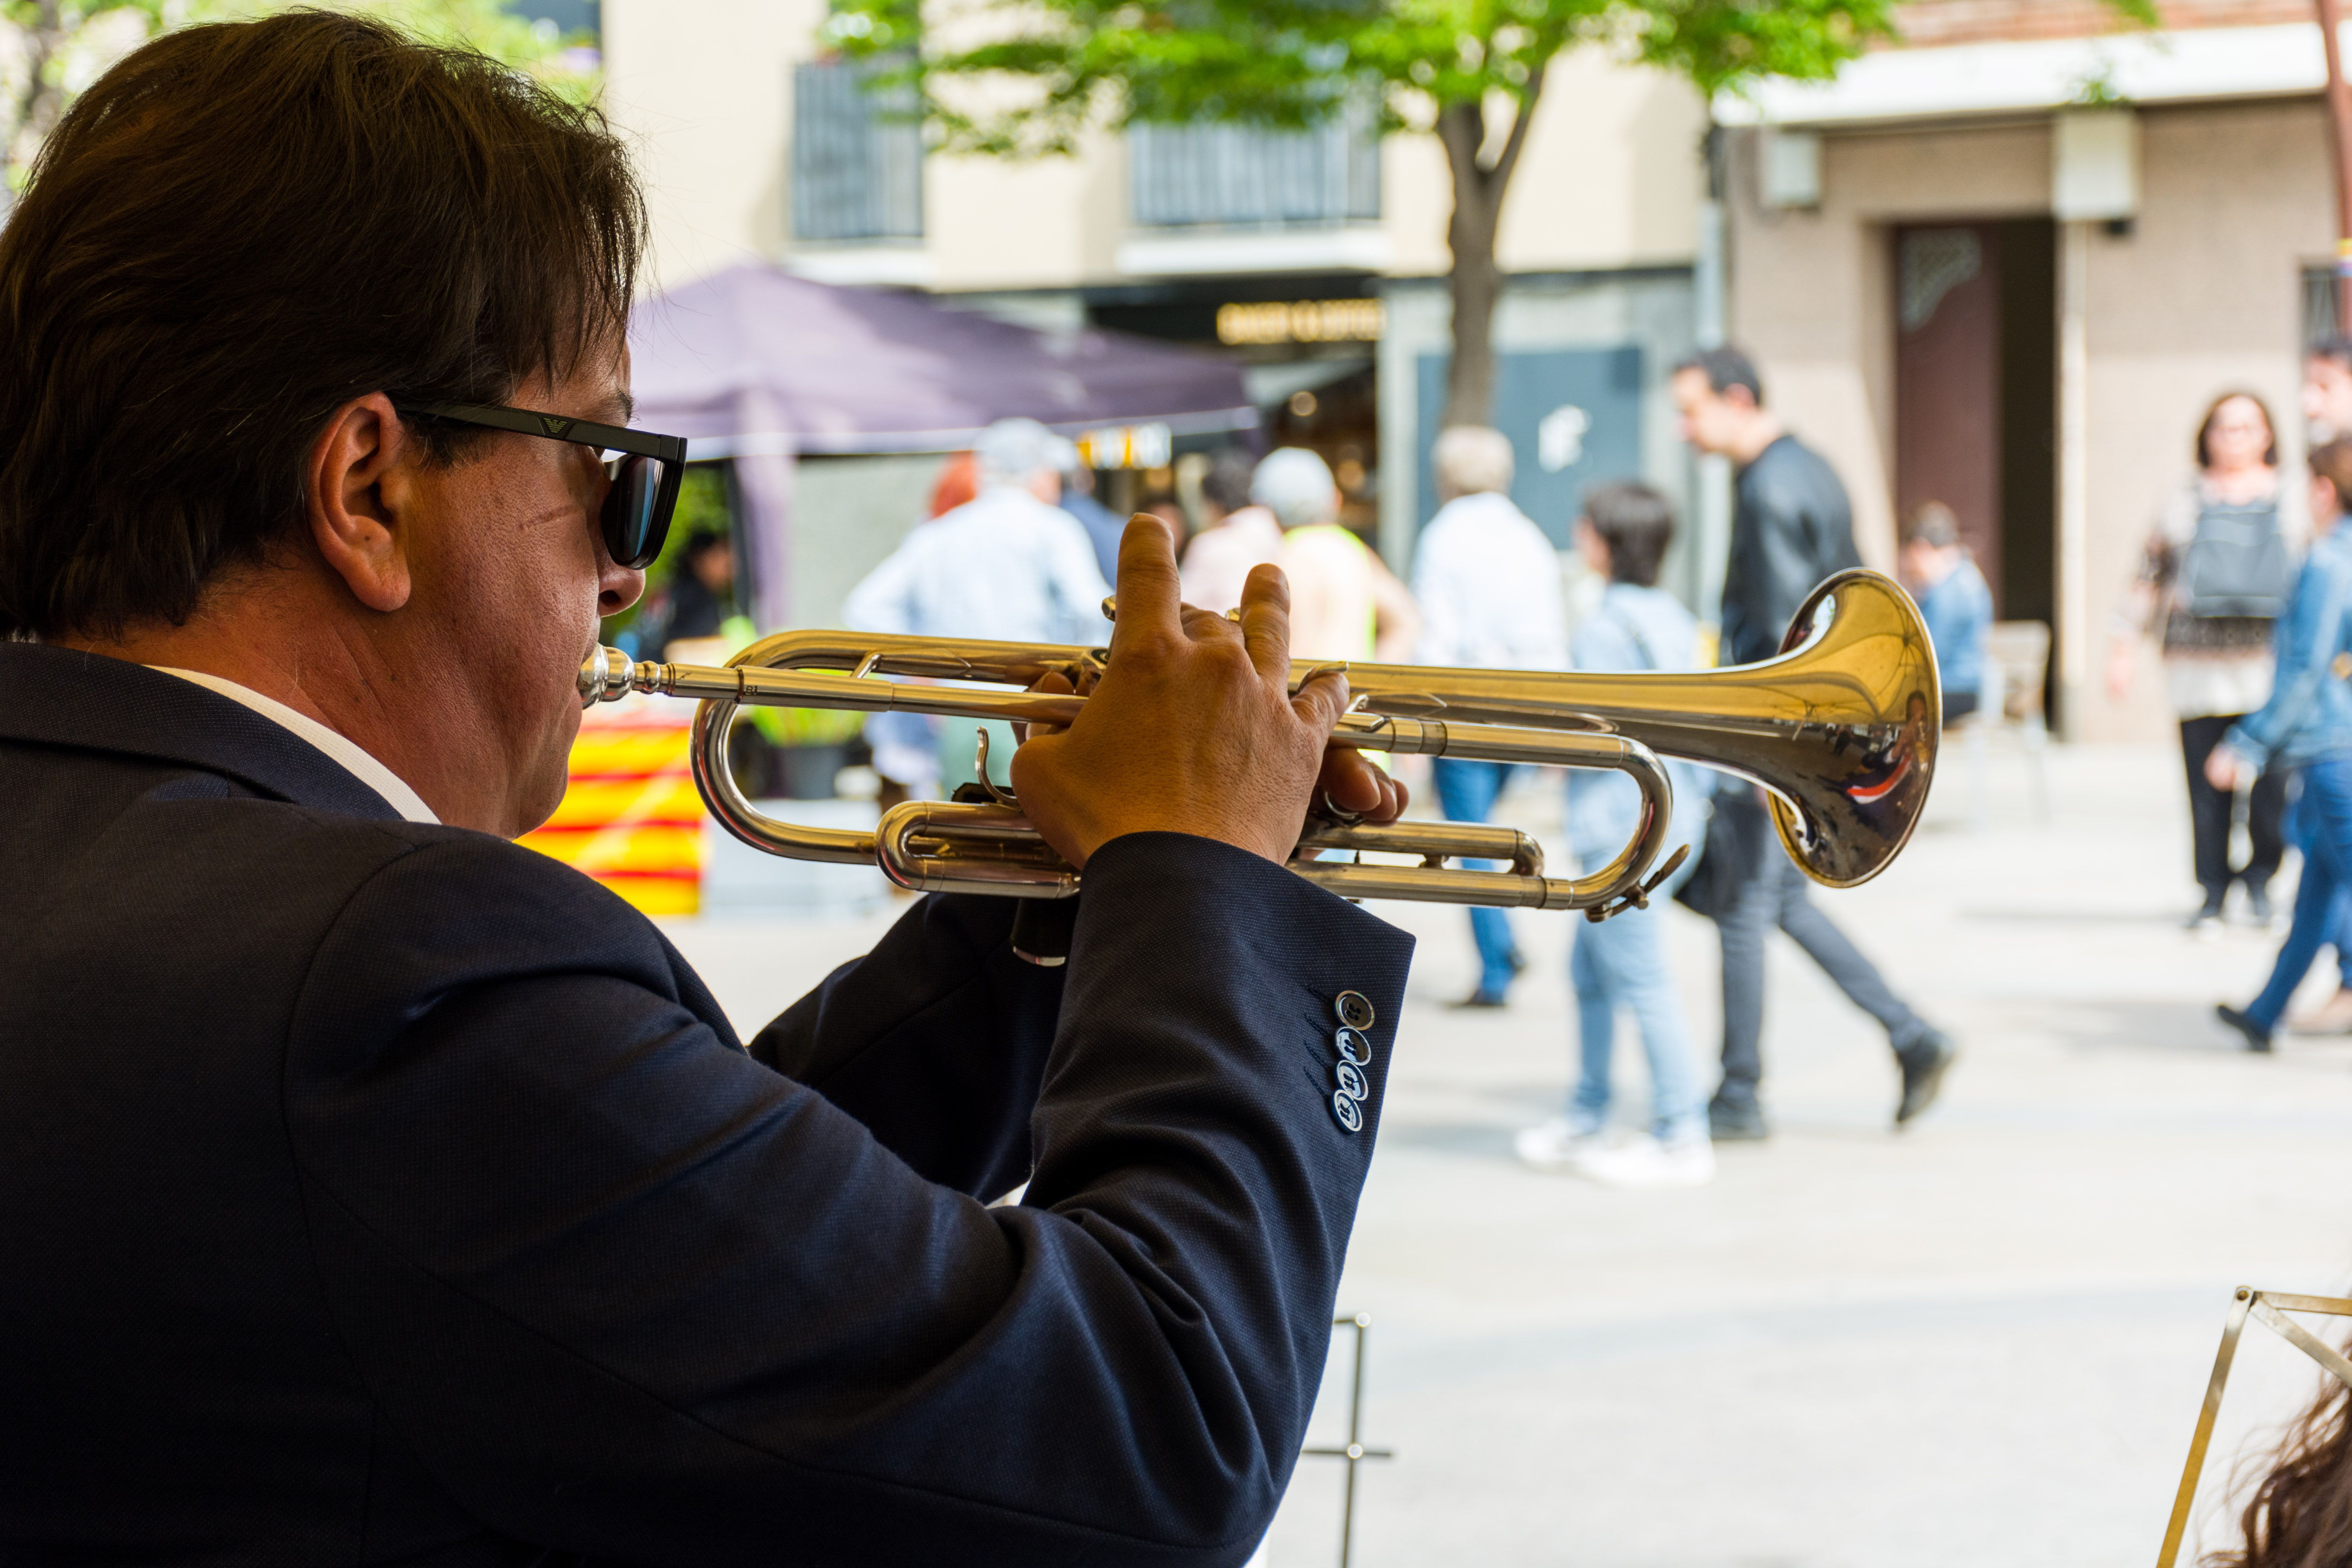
1976 396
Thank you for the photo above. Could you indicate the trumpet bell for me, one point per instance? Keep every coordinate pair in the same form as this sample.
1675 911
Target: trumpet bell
1859 650
1840 730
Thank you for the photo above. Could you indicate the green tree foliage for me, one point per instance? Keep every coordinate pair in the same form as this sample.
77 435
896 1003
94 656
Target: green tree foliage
51 49
1025 77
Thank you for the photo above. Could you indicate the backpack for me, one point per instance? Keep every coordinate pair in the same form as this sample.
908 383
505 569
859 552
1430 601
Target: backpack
2237 562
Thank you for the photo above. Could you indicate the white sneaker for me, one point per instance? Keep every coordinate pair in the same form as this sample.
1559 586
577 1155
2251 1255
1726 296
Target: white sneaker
1646 1162
1556 1145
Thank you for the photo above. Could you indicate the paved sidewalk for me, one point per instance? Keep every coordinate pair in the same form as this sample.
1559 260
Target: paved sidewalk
1981 1342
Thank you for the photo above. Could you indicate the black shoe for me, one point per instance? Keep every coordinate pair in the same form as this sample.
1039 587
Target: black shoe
1735 1123
1925 1061
1482 997
2258 1039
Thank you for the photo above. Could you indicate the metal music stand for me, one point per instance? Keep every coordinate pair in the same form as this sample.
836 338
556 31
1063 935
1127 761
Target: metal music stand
1355 1453
2271 1307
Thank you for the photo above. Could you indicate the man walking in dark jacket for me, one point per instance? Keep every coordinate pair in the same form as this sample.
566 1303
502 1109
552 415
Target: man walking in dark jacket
1792 526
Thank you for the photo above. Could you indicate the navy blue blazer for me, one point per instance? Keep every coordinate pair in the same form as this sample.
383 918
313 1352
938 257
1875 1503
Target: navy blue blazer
378 1193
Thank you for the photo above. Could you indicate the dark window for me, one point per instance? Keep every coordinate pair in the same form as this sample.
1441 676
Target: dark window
857 155
1193 175
2319 322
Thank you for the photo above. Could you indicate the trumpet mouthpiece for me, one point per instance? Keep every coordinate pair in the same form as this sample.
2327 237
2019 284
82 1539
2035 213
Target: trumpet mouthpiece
607 675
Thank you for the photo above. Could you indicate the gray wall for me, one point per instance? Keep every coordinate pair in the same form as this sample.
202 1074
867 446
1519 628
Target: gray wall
1649 310
848 514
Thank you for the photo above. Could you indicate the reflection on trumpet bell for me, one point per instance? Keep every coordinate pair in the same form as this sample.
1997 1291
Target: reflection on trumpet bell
1840 730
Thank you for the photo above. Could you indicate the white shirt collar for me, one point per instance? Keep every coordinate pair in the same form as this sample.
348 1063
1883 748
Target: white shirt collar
355 761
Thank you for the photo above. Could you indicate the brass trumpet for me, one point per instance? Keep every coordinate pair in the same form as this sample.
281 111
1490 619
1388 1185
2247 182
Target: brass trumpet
1840 730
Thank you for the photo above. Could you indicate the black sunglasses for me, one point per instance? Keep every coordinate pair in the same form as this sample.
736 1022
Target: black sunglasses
646 477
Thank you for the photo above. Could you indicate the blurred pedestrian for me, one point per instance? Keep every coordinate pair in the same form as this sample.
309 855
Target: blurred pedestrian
1792 526
958 482
2306 726
1169 508
2213 579
1008 564
1620 963
701 591
1104 527
1344 602
2328 390
1954 600
1487 585
1236 534
905 746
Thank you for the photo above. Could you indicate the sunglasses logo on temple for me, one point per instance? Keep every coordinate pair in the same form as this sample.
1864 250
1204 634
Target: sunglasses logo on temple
554 427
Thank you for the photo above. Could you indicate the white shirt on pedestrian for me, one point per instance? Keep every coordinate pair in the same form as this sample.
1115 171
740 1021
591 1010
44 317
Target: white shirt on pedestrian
1003 565
1488 583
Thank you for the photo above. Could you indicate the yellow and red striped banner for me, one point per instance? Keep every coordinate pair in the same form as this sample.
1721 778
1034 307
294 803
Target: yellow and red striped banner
631 816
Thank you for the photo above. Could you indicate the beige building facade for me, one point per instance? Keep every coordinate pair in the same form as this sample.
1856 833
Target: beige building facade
754 152
2143 215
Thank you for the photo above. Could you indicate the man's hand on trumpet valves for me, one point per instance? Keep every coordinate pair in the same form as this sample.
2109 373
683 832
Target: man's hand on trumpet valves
1192 729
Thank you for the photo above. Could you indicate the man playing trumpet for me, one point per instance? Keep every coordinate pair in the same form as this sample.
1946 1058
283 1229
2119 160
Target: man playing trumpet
378 1190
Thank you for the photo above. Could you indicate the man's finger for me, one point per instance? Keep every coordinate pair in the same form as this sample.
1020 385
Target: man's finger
1202 625
1149 597
1053 683
1353 782
1320 702
1265 622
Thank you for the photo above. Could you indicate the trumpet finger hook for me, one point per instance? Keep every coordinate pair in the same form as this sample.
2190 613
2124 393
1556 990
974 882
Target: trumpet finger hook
980 765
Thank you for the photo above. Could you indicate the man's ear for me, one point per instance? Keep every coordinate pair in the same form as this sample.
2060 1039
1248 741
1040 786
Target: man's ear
363 499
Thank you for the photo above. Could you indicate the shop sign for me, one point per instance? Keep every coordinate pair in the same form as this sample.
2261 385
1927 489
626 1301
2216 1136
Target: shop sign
1302 321
1149 446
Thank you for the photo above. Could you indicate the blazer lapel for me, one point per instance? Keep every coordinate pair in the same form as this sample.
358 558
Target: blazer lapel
64 696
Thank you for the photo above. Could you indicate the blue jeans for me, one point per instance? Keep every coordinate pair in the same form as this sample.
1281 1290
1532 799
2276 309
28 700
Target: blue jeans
1621 962
2321 898
1465 793
2339 916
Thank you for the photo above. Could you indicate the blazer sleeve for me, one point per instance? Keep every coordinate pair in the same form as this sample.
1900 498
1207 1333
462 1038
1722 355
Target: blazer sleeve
935 1041
630 1293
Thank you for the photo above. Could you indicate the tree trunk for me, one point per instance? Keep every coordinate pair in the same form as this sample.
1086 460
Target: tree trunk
1475 281
2339 118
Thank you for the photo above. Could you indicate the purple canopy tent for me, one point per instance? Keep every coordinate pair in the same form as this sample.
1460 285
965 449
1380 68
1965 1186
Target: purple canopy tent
757 365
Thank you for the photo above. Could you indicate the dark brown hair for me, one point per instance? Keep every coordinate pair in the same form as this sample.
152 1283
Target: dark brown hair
239 228
1637 524
1932 523
2300 1515
2205 428
1726 367
2332 461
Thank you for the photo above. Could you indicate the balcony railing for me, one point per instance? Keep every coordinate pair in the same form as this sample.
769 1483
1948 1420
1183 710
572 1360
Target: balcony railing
857 157
1192 176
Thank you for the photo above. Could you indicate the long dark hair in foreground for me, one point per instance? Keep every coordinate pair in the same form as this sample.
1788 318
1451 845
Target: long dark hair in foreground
2300 1516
